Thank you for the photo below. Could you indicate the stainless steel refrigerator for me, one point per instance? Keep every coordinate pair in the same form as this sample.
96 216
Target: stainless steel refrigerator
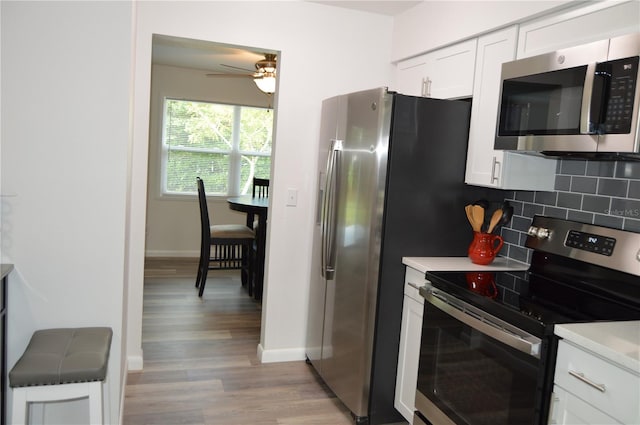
390 184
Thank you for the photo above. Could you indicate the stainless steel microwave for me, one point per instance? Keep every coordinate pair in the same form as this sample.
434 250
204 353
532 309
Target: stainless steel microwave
581 101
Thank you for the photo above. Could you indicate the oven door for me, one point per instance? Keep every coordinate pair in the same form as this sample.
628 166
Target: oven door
475 369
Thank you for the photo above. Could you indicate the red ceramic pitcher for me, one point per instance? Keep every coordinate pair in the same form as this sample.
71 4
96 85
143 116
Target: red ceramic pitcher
484 247
482 283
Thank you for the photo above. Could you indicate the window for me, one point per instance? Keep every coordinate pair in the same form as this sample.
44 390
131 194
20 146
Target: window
225 145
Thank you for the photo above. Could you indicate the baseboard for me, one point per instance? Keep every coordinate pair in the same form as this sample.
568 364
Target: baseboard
172 254
281 355
134 363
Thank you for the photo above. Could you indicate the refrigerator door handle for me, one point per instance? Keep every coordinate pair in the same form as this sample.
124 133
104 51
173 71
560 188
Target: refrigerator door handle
328 251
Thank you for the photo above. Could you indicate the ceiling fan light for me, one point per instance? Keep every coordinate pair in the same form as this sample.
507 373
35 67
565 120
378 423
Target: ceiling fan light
266 84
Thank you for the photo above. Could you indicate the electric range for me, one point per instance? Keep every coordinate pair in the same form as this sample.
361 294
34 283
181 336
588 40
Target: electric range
485 331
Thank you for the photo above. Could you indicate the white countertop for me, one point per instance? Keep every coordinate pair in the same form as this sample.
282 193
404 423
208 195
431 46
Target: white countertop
443 264
618 342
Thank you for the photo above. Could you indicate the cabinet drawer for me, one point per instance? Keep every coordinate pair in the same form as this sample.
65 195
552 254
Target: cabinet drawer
413 280
602 384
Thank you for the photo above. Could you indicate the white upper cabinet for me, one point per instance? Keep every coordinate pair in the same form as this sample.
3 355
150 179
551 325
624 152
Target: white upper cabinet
486 166
596 21
445 73
410 76
473 67
450 75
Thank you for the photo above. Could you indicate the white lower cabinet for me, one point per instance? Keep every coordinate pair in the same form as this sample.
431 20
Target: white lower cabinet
567 409
486 166
409 352
589 389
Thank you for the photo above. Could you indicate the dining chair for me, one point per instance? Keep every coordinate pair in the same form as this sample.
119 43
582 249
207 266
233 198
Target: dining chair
260 187
260 190
223 246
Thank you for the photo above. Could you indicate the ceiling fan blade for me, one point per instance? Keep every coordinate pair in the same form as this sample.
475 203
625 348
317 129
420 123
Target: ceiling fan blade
229 75
236 67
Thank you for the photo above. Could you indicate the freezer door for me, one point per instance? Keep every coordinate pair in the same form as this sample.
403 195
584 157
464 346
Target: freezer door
328 133
352 241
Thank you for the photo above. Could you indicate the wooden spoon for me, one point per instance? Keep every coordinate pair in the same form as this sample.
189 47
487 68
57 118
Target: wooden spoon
477 212
495 218
467 209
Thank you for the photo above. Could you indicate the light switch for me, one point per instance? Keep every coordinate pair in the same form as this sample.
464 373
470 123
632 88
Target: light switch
292 197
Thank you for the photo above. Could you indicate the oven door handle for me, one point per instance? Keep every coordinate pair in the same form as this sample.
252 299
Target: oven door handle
484 323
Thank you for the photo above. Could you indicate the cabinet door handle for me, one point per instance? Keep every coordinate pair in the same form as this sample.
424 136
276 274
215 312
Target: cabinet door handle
494 178
426 87
415 285
581 377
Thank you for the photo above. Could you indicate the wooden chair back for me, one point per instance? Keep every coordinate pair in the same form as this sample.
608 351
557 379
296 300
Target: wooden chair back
260 187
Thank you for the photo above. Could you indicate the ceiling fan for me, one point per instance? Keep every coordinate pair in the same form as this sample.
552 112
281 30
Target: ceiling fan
264 76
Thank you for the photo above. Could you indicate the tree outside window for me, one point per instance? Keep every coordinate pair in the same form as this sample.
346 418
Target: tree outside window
225 145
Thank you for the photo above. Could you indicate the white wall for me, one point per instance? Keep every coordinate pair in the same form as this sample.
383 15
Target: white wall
72 224
355 48
433 24
173 222
348 50
65 118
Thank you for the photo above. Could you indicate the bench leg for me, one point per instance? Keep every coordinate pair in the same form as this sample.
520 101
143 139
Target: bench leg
22 396
95 403
19 407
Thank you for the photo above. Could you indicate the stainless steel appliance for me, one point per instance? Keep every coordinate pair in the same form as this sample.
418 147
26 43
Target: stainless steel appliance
488 355
581 101
391 184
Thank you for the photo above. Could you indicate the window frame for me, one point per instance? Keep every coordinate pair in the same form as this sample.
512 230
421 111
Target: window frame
235 153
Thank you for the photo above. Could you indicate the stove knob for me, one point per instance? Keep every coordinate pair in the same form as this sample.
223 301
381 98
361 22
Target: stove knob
539 232
543 233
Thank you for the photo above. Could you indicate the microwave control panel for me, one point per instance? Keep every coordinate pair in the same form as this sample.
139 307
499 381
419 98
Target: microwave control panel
623 78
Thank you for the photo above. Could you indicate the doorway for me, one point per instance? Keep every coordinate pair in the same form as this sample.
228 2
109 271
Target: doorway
209 74
201 71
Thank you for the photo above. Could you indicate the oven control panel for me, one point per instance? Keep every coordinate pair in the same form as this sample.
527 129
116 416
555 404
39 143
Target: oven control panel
603 246
590 242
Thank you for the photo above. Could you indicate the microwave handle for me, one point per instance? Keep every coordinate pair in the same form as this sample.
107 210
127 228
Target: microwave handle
586 126
599 99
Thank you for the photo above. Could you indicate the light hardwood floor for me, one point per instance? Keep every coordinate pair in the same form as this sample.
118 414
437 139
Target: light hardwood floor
200 362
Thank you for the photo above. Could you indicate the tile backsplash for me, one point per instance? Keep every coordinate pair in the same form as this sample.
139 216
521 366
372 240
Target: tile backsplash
596 192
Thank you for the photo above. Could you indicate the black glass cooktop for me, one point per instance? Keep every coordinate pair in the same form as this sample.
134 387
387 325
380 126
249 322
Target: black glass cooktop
553 290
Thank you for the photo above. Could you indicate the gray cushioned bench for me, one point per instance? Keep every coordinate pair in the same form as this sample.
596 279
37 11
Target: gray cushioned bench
61 364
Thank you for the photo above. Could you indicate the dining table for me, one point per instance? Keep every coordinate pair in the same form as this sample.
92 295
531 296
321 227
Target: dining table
255 207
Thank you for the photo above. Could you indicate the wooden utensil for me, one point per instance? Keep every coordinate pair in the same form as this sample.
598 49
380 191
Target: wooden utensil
483 203
477 212
467 209
507 213
495 219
